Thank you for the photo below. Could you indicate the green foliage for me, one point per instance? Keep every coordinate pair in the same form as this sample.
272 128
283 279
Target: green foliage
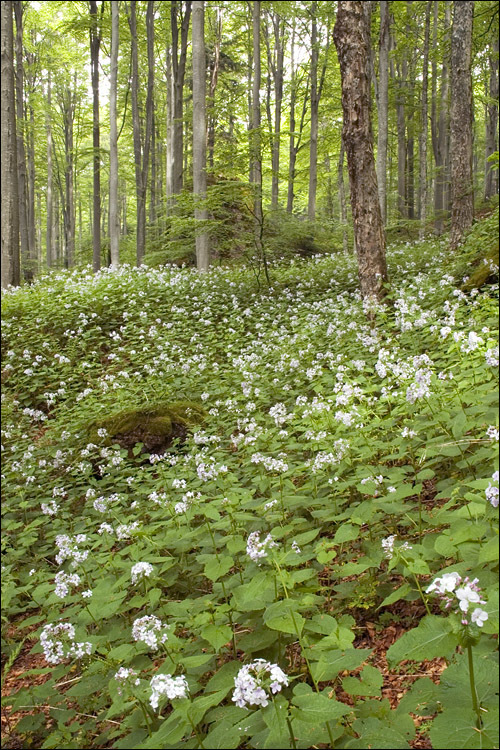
307 437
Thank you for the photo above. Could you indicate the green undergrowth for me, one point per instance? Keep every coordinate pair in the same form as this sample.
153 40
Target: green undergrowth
312 472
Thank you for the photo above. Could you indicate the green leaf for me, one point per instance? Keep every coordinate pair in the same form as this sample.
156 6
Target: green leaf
489 551
335 661
400 593
217 635
456 728
283 616
432 637
376 733
458 424
224 677
216 568
316 708
369 684
225 735
346 533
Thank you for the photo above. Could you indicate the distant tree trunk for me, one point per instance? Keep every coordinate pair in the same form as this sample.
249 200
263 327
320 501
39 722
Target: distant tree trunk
50 178
34 246
276 65
200 133
21 155
95 43
114 218
491 123
439 126
178 72
68 110
10 200
341 192
352 39
400 83
291 148
214 75
422 182
410 127
313 149
461 116
170 129
383 108
256 144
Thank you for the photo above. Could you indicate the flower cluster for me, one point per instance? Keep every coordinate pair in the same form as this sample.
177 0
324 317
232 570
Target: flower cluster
388 546
468 593
149 629
124 677
257 549
58 643
140 570
492 491
68 548
63 582
165 684
253 680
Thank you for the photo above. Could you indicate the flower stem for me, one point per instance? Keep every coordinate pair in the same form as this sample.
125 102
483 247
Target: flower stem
473 692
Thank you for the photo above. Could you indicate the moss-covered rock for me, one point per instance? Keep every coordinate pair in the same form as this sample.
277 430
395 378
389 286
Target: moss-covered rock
155 426
484 269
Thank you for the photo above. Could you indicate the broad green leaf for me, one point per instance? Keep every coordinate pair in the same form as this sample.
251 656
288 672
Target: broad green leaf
217 635
335 661
432 637
376 733
346 533
316 708
369 684
224 677
489 551
400 593
216 568
456 728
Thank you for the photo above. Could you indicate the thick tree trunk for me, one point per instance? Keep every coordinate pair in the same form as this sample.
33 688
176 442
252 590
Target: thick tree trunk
352 39
461 116
21 155
422 182
200 134
439 127
313 149
383 107
114 218
95 43
10 201
491 125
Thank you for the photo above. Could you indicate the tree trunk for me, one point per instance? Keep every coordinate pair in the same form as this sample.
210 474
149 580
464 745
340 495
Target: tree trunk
439 126
114 219
313 149
68 108
49 250
256 140
352 39
462 186
383 108
95 43
200 134
341 192
491 124
422 182
400 82
178 73
276 65
410 127
214 75
21 155
10 202
35 248
291 147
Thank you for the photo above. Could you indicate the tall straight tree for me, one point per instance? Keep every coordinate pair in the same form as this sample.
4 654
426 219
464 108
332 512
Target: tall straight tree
21 154
440 121
490 173
422 182
313 148
95 44
383 107
49 241
11 272
352 39
200 133
256 138
461 116
179 22
114 216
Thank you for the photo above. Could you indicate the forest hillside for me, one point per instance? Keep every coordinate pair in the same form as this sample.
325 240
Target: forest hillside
246 517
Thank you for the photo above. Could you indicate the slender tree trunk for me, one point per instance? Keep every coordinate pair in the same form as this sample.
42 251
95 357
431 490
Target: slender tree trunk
352 39
422 183
178 73
256 139
30 152
95 43
462 186
313 150
200 133
9 175
491 124
214 75
275 68
383 107
439 126
341 192
400 82
69 210
21 155
291 148
50 178
170 131
114 219
410 127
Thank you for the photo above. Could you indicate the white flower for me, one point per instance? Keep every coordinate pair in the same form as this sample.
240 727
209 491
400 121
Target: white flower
63 582
295 547
165 684
58 643
140 570
479 616
492 492
493 433
388 546
446 583
148 629
257 549
125 676
253 679
467 595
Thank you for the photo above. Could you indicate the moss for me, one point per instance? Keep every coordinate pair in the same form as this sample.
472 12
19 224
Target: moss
155 425
483 269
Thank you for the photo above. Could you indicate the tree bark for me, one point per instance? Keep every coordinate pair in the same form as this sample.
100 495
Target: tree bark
214 75
383 107
422 182
491 125
461 117
34 245
68 110
352 39
439 126
10 203
179 57
200 134
21 154
341 192
49 249
95 43
114 218
313 149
